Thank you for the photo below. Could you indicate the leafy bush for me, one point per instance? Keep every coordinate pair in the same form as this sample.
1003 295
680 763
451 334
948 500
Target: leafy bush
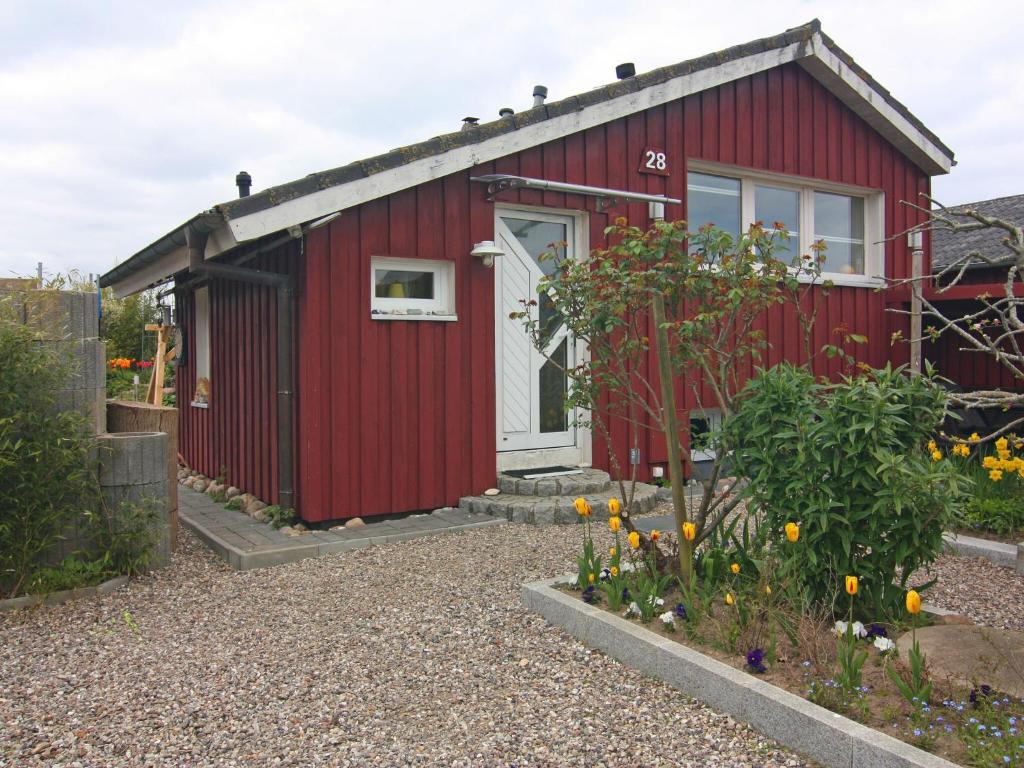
72 572
1000 516
46 475
123 325
847 462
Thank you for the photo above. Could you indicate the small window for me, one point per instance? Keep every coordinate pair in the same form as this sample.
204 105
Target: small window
713 200
411 288
703 426
202 340
839 222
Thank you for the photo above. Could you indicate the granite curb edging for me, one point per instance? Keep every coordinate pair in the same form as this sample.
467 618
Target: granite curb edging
1000 553
831 739
302 548
66 595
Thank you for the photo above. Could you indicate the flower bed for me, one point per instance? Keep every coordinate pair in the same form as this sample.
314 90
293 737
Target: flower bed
767 628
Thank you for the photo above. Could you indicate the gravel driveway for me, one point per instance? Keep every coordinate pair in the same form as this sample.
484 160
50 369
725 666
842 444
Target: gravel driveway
415 653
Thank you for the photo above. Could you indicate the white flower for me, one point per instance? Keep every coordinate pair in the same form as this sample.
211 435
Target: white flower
655 600
884 644
668 618
840 628
632 610
858 630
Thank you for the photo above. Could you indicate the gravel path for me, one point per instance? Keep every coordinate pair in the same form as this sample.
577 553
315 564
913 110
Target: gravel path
408 654
986 593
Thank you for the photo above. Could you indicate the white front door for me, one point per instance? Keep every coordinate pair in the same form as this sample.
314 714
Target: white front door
531 383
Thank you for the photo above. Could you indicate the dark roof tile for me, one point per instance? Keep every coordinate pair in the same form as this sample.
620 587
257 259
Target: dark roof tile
948 247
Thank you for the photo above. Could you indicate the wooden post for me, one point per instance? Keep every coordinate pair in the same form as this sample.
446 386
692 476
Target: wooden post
670 420
914 240
155 391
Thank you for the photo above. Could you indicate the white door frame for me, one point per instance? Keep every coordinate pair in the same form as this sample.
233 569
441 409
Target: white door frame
579 454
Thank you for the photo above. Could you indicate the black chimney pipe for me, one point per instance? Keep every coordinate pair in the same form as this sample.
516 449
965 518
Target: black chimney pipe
244 182
625 71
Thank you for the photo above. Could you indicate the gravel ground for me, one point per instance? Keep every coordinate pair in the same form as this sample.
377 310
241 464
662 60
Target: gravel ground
986 593
415 653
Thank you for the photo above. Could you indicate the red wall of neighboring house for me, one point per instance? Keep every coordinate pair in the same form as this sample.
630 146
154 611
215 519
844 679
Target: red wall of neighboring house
237 435
396 416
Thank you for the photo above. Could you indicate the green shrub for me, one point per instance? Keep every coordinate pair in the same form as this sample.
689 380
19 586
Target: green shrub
72 572
46 474
847 461
1001 516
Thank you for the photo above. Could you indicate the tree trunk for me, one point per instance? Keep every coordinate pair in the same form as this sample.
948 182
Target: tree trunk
670 420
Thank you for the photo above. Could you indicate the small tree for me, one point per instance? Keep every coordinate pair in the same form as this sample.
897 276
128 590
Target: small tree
996 328
124 323
700 296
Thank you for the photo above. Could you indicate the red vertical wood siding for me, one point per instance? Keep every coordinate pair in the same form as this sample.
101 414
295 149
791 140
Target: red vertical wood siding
236 437
398 415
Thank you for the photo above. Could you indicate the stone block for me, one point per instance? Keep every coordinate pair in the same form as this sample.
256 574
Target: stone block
544 513
522 512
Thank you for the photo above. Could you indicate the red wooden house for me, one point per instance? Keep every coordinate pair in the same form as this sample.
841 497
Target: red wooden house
353 325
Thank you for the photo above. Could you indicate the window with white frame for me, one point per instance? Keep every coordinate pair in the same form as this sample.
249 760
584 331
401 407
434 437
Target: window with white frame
703 426
202 346
848 221
412 288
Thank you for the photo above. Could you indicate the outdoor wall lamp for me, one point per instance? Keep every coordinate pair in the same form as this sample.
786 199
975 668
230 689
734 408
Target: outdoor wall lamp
486 250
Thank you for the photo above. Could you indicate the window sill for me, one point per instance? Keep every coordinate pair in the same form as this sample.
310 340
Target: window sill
199 405
837 278
413 316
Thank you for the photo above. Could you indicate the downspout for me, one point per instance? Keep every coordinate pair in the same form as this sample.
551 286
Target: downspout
195 241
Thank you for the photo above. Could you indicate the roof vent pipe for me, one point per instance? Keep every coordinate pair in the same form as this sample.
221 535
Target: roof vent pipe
244 182
540 93
506 112
625 71
469 122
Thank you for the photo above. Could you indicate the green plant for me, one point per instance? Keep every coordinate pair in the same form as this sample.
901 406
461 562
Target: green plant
1001 516
279 517
47 476
124 535
72 572
123 325
847 462
237 503
850 659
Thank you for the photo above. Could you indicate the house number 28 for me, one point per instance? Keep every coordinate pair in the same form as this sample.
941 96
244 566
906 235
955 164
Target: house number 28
654 160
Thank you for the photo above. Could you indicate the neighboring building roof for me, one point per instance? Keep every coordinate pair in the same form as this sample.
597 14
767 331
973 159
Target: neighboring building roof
947 246
319 194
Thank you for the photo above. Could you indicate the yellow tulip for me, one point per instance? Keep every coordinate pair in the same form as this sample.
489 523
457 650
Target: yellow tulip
611 551
729 599
655 534
735 567
614 523
851 585
614 507
582 508
792 532
689 531
590 578
913 601
615 570
634 540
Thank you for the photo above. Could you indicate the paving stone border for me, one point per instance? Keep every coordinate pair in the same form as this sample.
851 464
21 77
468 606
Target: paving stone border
831 739
58 598
1007 555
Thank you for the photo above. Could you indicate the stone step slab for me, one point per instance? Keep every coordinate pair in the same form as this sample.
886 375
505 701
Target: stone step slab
559 510
587 481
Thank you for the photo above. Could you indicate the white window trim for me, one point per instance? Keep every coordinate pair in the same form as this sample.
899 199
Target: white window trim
713 416
874 215
439 308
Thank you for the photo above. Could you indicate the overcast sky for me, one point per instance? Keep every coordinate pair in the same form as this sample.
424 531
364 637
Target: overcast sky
121 119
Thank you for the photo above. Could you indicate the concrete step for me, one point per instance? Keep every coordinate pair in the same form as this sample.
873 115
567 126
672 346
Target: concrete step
559 509
587 481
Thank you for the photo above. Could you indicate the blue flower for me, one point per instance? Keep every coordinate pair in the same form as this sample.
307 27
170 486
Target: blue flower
755 660
588 594
982 692
681 611
917 731
875 630
625 595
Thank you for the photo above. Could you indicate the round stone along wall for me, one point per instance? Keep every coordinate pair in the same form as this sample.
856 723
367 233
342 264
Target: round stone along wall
133 471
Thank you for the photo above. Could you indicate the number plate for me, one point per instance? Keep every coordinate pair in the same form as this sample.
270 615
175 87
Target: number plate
654 160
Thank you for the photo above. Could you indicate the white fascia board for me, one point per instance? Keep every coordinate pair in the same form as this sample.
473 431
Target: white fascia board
152 274
353 193
869 104
813 54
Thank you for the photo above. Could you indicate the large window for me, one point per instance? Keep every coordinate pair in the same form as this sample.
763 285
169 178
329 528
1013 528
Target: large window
849 223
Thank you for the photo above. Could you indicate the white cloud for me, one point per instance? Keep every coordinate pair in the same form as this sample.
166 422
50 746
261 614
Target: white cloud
120 122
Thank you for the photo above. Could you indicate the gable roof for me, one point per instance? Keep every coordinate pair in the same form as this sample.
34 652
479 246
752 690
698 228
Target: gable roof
947 247
319 194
